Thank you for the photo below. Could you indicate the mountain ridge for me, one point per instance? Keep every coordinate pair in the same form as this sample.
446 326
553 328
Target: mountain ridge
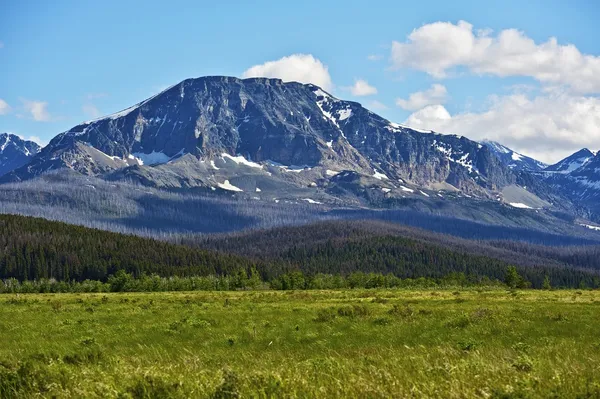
265 138
15 152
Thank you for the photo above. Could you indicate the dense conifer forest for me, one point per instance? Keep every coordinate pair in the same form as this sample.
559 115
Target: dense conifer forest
357 252
33 248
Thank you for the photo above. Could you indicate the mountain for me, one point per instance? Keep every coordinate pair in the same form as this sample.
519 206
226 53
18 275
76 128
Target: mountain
572 162
263 137
513 159
578 178
15 152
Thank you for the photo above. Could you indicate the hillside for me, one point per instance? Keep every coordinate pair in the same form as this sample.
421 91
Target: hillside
32 248
366 245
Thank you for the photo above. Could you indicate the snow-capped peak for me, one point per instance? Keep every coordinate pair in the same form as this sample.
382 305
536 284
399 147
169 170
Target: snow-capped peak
572 162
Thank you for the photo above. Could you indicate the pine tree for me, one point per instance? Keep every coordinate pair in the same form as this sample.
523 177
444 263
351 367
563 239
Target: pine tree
546 283
512 278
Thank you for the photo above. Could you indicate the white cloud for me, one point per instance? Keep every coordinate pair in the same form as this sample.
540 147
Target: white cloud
441 46
4 107
362 88
376 105
548 127
37 109
375 57
90 110
436 94
303 68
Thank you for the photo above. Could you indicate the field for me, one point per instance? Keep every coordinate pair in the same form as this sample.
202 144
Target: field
351 343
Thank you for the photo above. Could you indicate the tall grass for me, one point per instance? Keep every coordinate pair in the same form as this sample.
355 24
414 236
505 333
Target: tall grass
343 343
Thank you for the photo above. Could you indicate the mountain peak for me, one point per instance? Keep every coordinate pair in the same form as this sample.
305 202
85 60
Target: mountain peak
282 134
15 152
572 162
513 159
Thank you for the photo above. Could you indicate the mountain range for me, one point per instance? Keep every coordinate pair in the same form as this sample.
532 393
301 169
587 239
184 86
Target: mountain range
264 139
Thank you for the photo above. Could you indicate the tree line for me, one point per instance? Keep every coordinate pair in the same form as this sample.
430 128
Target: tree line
33 249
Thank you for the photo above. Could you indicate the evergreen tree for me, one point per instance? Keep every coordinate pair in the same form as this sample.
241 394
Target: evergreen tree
546 284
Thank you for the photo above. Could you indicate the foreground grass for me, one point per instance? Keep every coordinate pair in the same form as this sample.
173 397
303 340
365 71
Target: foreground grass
353 343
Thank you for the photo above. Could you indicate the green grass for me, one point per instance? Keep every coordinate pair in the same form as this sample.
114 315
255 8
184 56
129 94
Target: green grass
352 343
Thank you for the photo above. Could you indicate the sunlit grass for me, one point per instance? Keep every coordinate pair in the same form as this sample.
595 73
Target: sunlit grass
351 343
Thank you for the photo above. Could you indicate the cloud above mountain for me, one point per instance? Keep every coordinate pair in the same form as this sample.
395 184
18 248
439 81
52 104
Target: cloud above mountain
362 88
38 110
436 94
4 107
303 68
440 48
547 126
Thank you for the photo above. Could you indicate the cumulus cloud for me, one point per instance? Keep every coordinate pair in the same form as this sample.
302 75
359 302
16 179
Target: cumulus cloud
303 68
436 94
37 109
4 107
548 127
362 88
439 47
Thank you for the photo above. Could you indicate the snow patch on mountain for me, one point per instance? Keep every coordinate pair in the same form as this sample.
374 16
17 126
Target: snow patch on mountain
591 227
344 114
455 156
380 176
519 205
241 160
226 185
311 201
5 139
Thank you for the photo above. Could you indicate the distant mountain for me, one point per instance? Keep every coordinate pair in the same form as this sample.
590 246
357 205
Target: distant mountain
578 178
572 162
15 152
263 139
513 159
211 132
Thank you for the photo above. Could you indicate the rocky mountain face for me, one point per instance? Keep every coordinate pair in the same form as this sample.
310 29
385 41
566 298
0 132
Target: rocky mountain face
572 162
578 178
513 159
264 137
15 152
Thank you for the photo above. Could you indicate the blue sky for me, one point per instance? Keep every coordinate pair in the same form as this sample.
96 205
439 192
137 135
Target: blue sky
496 75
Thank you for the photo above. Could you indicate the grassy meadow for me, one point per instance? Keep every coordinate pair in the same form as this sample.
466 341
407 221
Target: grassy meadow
347 343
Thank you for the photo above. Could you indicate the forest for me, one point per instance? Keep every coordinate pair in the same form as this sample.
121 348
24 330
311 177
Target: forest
38 249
